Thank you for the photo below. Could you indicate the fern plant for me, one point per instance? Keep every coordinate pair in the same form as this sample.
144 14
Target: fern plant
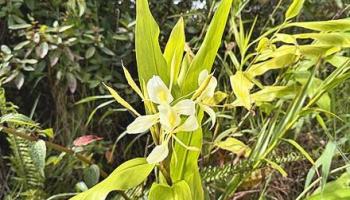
27 181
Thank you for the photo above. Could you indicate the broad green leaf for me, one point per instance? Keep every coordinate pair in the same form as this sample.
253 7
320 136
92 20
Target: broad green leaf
241 87
126 176
205 57
91 175
294 9
120 100
274 63
174 50
326 26
331 39
150 60
334 190
338 60
234 145
300 149
38 155
271 93
184 163
90 52
179 191
42 50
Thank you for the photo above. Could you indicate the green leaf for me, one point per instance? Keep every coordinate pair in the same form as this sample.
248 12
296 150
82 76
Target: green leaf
234 145
17 119
19 26
205 57
184 163
174 50
334 190
38 154
126 176
327 26
241 87
300 149
5 49
91 175
42 50
90 52
150 60
179 191
294 9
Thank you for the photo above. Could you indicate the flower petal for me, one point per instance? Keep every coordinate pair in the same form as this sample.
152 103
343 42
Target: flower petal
158 91
169 118
202 76
142 124
210 89
158 154
211 114
185 107
191 124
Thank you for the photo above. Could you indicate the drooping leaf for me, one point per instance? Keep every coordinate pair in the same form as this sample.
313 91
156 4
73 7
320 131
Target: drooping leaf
126 176
150 60
205 57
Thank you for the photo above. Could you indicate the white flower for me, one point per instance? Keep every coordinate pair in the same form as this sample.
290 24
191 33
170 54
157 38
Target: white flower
207 94
158 154
168 116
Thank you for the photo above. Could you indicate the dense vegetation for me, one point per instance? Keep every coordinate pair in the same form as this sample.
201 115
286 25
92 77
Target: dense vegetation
174 99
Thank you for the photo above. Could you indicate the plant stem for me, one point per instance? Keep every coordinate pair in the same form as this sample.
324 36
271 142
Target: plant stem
165 174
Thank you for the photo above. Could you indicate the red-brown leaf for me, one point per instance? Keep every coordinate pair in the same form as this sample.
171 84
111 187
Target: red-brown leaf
85 140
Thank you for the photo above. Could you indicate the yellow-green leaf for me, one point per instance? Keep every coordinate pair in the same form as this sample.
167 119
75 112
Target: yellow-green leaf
132 83
241 87
126 176
277 167
205 57
327 26
150 60
300 149
294 9
120 100
174 50
234 145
